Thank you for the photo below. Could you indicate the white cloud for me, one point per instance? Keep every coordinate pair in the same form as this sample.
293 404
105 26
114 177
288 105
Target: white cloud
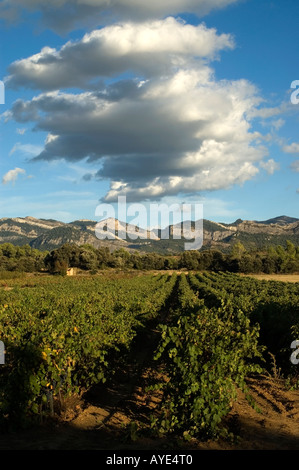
150 49
182 133
270 166
28 149
223 177
278 123
12 175
292 148
267 112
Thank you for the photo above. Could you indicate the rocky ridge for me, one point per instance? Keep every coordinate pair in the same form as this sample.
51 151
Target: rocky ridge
48 234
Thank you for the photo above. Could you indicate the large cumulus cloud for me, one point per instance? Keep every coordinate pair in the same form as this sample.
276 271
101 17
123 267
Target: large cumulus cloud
147 108
148 49
184 133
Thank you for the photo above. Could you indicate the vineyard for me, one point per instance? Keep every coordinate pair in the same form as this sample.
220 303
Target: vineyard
212 331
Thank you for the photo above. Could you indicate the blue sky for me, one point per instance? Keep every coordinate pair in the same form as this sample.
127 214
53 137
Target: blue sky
173 103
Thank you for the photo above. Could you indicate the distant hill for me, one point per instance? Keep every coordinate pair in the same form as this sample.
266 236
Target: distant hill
48 234
281 220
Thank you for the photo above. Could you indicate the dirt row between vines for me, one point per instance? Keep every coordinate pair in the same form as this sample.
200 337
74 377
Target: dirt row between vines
113 419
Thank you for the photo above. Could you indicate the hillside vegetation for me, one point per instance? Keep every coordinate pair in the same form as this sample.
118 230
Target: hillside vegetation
278 259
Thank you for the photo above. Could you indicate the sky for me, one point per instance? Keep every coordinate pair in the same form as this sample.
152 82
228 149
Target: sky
173 102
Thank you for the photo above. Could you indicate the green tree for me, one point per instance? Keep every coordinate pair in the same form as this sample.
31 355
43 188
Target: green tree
238 250
87 259
189 260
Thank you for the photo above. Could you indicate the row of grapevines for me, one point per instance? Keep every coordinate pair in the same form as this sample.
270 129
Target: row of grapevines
272 304
207 353
59 335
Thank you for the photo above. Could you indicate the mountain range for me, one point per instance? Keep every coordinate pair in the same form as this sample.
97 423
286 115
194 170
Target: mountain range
49 234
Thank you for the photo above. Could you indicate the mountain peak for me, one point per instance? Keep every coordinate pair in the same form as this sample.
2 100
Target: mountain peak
280 220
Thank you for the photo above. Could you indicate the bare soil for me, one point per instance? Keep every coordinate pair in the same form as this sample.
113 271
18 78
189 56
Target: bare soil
275 277
117 417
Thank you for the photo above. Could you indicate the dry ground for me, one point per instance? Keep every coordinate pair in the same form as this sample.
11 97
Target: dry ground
117 417
275 277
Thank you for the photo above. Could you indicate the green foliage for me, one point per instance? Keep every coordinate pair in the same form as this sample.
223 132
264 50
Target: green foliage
207 353
273 305
277 259
61 335
20 259
64 334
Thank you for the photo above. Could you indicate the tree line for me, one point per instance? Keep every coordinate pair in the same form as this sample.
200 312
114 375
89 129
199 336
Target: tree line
276 259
